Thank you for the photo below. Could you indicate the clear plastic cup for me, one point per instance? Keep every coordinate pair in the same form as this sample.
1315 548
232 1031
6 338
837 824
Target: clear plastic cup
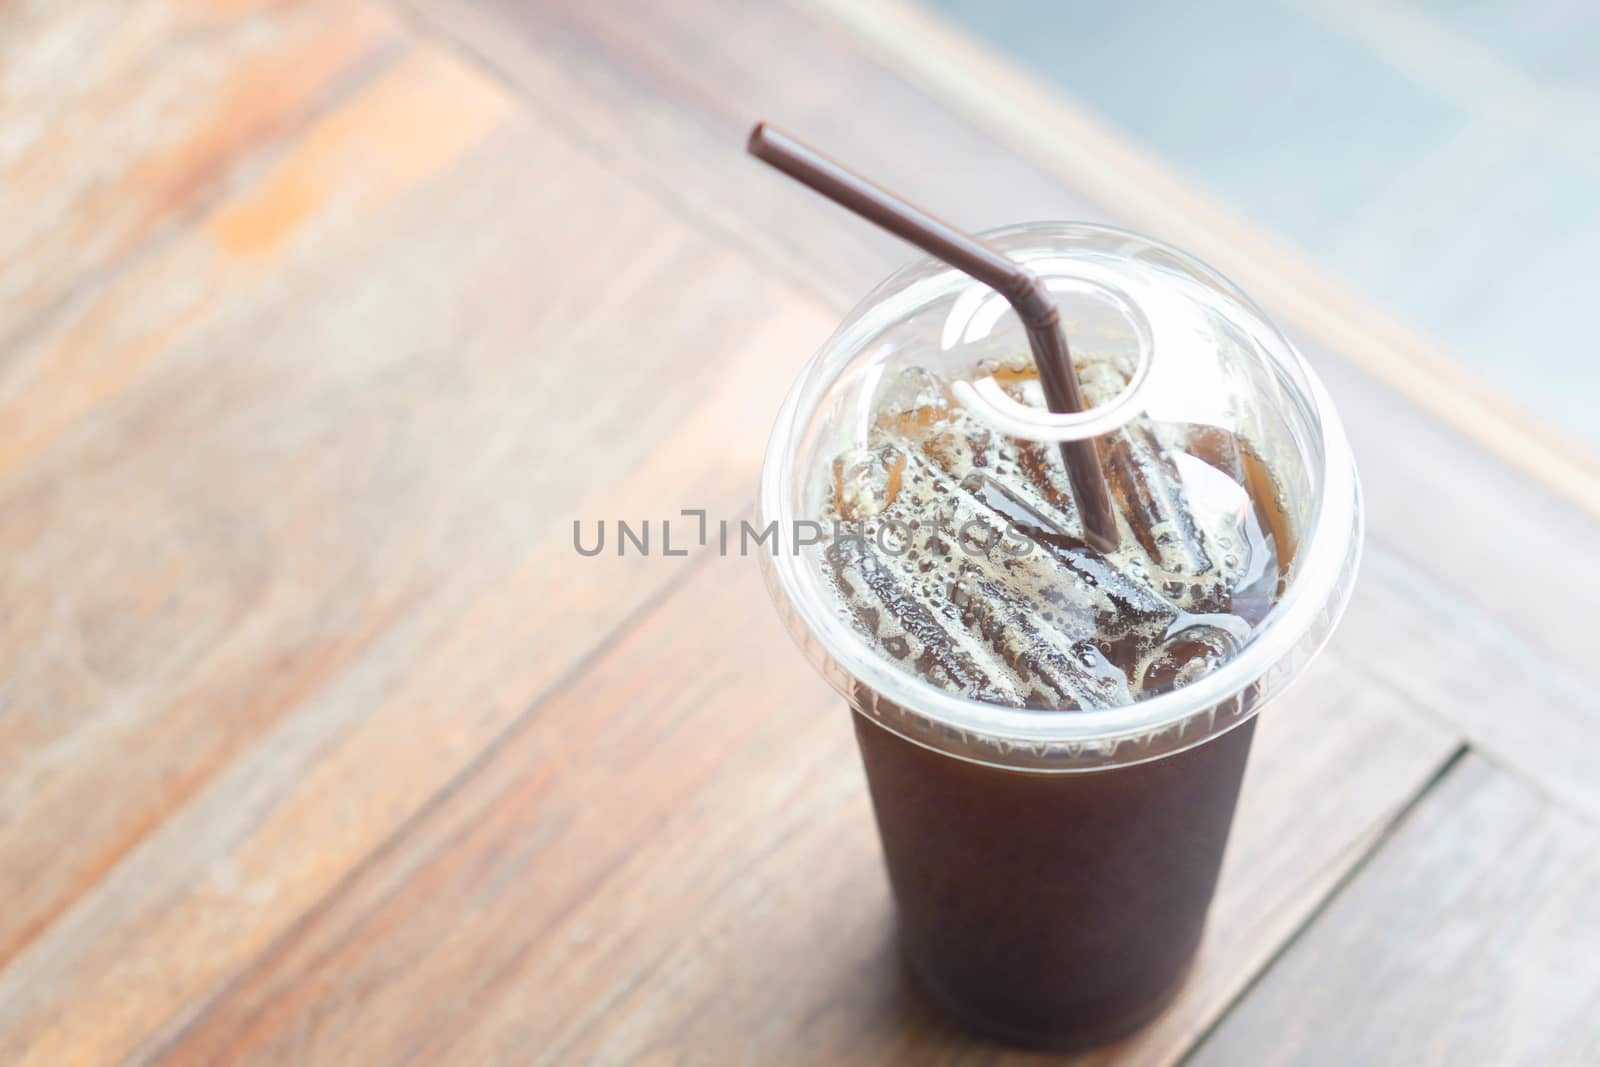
1053 868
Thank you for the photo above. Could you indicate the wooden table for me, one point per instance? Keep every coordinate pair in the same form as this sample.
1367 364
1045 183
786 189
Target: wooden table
322 320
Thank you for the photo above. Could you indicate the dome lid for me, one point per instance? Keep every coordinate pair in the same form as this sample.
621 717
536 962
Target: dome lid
949 586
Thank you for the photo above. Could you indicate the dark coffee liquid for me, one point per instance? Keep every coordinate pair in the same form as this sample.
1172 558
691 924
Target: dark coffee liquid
1054 910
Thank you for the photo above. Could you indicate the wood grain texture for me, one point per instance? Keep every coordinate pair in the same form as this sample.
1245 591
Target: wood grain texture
674 860
174 561
318 741
1477 674
128 120
646 84
1468 939
353 450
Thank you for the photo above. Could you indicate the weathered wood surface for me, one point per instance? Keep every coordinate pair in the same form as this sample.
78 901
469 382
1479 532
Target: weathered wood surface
318 742
304 559
1469 938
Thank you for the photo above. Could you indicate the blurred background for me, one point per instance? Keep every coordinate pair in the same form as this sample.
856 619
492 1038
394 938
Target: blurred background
1440 157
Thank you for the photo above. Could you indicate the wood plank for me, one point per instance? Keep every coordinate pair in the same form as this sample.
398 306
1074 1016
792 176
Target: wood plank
668 93
288 595
1477 674
126 120
673 860
1469 938
340 175
135 570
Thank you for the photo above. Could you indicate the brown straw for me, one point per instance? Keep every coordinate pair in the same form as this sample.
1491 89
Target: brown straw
1022 287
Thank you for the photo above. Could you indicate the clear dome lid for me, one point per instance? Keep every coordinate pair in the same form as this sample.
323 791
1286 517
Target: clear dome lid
931 557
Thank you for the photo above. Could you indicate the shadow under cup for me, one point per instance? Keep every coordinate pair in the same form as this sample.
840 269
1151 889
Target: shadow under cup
1053 869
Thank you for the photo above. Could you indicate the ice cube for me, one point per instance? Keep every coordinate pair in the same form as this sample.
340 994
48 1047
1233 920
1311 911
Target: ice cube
866 481
1195 646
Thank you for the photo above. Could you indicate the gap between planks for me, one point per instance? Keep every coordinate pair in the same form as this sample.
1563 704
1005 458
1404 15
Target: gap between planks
1379 840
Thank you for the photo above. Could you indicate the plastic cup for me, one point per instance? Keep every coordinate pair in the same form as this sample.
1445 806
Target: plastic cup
1053 869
